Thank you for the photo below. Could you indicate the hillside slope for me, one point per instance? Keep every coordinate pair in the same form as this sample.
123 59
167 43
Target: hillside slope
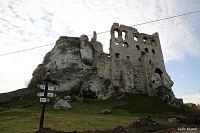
23 115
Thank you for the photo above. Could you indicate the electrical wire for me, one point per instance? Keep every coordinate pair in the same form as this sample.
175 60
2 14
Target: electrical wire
153 21
167 18
26 49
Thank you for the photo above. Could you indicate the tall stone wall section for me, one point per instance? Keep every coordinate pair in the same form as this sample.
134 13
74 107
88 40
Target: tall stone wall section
136 60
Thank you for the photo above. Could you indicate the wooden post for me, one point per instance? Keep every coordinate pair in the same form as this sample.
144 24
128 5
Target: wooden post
43 106
47 79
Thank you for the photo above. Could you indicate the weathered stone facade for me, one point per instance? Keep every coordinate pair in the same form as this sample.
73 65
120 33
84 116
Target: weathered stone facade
134 64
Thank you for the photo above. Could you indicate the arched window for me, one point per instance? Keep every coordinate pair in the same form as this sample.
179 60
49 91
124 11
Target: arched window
123 35
146 50
117 55
138 47
135 38
116 34
153 51
158 71
125 44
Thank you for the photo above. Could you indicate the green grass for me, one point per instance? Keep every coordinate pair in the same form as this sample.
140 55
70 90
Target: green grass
23 116
137 103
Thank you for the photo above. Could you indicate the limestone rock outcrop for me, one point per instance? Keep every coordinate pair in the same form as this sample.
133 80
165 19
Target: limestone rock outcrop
71 63
134 64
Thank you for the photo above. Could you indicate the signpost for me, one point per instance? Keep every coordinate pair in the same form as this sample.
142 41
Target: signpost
44 100
44 96
50 88
41 94
41 86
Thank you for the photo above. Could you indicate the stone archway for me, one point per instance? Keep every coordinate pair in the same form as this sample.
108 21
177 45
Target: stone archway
158 71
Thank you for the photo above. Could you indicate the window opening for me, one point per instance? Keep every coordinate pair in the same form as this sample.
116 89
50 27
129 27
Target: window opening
125 44
144 40
116 34
117 55
159 72
135 38
123 35
138 47
146 50
142 53
153 42
153 51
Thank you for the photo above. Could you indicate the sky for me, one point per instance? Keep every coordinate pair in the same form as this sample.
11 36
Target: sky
27 24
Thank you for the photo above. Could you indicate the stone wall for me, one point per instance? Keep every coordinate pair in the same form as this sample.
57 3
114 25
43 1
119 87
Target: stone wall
135 62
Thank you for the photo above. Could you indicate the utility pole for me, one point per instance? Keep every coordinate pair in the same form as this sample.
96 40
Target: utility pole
47 79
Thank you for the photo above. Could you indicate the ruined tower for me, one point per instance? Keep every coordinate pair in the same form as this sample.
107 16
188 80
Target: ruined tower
136 61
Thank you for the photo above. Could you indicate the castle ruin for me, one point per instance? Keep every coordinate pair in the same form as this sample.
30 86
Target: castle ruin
134 65
135 62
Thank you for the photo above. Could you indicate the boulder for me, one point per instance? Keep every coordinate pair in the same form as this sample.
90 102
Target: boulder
105 111
67 98
62 105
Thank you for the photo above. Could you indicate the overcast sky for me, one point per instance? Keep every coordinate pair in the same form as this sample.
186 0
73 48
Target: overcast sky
31 23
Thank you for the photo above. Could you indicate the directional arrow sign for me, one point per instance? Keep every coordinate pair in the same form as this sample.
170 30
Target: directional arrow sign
41 94
50 95
50 88
41 86
44 100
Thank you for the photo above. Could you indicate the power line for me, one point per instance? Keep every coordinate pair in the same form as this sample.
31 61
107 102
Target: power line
167 18
153 21
26 49
157 20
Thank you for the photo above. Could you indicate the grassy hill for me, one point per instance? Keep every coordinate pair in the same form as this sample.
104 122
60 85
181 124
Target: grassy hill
22 116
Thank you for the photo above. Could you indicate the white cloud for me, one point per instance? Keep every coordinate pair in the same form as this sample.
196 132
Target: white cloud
25 24
191 99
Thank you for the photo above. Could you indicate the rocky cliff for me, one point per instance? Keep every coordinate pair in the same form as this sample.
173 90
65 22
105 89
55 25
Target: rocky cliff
72 66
